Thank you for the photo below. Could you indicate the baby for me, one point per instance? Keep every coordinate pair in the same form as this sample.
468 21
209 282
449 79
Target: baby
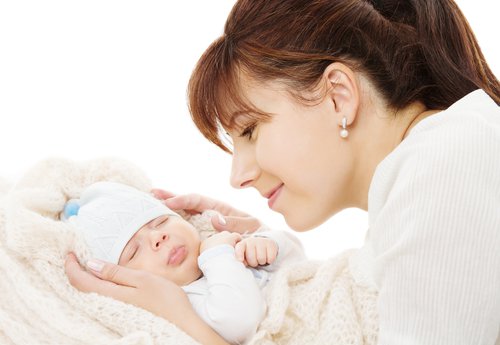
224 276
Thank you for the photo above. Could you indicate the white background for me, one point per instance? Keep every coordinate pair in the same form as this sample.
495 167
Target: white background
86 79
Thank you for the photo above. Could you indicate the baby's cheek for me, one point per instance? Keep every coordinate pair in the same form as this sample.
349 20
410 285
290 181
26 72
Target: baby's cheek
195 272
140 266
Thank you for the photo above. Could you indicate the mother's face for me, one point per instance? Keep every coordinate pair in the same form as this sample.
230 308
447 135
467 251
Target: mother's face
297 159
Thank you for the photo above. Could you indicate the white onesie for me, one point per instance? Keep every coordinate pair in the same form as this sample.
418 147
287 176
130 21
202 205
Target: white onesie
230 297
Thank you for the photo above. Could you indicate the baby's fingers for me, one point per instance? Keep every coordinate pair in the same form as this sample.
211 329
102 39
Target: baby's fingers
239 250
272 253
261 254
251 254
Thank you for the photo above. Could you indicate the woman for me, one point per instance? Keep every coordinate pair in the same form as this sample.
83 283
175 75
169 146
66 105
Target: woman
388 106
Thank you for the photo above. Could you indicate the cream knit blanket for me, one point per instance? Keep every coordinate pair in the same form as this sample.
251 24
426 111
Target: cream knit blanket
310 303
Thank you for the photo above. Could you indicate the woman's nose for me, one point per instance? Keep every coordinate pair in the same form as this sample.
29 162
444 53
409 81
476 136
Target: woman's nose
244 170
158 239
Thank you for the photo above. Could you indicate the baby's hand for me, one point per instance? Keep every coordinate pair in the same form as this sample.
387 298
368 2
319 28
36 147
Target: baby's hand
224 237
255 251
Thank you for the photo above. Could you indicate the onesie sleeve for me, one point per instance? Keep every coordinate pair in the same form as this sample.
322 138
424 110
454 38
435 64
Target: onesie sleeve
233 305
436 242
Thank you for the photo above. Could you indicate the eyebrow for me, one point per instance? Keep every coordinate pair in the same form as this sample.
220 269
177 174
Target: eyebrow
130 242
130 252
248 115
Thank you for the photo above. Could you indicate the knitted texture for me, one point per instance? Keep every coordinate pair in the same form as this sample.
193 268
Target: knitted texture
311 303
4 186
319 302
38 305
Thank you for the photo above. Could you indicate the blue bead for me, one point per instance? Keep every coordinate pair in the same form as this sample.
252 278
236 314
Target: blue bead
71 209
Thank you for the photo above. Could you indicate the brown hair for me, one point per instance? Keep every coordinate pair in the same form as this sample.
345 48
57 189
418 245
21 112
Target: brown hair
411 50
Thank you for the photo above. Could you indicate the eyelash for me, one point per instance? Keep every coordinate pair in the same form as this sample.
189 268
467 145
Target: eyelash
248 131
133 254
157 225
160 223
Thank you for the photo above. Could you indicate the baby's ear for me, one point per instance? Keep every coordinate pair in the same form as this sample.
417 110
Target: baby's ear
203 223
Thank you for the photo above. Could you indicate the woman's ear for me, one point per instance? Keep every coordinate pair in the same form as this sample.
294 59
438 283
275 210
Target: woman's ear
343 91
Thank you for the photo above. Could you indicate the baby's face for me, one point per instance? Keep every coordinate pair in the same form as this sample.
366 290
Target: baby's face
167 246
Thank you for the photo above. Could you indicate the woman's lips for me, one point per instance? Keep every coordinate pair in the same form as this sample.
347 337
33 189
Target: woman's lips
177 255
274 195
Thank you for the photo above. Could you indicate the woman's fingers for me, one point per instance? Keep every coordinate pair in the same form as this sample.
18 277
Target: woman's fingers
194 202
77 276
117 274
84 280
200 203
112 281
162 194
236 224
230 219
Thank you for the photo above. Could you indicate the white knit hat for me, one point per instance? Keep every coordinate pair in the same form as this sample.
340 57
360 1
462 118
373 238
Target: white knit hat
108 214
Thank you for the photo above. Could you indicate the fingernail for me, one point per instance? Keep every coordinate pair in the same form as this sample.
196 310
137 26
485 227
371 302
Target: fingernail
95 265
221 220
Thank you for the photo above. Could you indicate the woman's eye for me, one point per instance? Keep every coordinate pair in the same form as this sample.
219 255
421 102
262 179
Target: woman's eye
248 131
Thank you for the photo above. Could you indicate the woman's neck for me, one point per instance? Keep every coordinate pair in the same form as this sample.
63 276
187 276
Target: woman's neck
416 119
378 138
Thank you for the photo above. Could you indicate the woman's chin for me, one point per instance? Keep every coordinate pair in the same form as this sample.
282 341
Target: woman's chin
301 224
306 220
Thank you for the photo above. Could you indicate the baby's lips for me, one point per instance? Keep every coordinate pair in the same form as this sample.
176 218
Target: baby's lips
176 255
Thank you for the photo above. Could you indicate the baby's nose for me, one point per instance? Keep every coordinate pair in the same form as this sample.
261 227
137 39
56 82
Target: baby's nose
159 239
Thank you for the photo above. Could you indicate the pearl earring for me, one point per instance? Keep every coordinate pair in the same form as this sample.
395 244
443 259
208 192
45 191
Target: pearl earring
344 133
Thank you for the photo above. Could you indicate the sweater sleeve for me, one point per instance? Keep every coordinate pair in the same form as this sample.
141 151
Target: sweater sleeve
233 305
436 242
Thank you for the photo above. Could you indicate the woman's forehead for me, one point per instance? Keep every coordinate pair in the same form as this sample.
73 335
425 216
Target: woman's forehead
249 102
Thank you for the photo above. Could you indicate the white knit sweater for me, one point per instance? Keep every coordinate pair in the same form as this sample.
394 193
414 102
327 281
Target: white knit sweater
433 245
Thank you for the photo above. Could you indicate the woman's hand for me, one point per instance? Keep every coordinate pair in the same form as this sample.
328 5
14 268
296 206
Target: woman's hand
142 289
233 220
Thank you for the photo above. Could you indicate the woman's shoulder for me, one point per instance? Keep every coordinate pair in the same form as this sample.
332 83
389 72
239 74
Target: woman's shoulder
468 128
464 139
474 114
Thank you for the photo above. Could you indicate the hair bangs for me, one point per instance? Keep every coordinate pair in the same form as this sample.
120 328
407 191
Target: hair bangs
215 95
